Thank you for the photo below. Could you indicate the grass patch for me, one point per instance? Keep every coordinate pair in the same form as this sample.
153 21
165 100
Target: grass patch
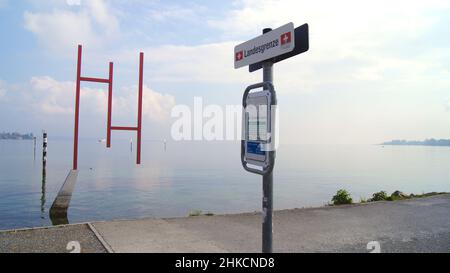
195 213
427 194
343 197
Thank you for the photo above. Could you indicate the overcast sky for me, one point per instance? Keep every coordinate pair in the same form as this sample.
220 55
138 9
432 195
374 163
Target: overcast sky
376 70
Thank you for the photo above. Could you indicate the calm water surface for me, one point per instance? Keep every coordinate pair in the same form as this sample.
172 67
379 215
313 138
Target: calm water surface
201 176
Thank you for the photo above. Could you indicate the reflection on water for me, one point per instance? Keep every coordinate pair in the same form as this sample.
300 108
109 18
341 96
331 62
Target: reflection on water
43 193
59 217
180 177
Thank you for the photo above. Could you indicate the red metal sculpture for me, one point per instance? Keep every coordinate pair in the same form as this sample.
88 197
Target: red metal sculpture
109 81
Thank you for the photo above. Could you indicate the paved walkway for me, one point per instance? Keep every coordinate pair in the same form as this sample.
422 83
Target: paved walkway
420 225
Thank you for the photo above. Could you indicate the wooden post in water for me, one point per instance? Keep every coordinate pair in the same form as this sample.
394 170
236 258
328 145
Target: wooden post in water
44 149
43 189
34 149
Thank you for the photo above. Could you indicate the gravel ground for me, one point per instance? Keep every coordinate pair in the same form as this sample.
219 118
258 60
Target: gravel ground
50 240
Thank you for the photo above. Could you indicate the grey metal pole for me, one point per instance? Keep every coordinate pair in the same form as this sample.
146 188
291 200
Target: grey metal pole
267 202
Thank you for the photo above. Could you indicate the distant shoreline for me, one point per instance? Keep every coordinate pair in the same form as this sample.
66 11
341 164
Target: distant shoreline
16 139
16 136
427 142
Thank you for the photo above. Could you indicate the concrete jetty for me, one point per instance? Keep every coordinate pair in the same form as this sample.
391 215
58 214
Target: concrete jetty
416 225
58 210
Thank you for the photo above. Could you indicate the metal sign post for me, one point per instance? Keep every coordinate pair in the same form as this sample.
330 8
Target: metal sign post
267 203
258 138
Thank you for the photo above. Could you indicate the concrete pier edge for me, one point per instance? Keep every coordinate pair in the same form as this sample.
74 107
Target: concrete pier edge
100 238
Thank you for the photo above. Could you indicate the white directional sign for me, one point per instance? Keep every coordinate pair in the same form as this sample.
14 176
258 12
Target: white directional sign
274 43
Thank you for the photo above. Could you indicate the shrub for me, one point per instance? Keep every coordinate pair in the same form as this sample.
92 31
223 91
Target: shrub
380 196
398 195
342 197
195 213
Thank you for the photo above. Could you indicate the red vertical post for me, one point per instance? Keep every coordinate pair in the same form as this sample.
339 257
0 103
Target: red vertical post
77 110
110 88
139 125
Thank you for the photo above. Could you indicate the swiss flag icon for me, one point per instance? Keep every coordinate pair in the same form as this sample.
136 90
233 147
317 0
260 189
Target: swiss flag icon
286 38
239 55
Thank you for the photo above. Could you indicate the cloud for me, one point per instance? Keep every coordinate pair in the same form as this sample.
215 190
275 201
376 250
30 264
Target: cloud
447 105
365 51
206 63
347 45
329 17
2 89
352 47
156 106
319 68
351 42
93 24
104 17
73 2
44 102
45 96
175 13
54 99
49 96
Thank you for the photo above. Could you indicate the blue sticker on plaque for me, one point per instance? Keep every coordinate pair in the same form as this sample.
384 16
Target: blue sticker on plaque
254 148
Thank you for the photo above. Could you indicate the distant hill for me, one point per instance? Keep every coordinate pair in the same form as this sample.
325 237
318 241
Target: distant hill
16 136
427 142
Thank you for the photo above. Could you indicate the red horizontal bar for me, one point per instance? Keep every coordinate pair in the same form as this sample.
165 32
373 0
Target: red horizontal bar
85 79
117 128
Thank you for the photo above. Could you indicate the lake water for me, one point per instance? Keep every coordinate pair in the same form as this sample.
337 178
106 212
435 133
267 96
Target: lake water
201 176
